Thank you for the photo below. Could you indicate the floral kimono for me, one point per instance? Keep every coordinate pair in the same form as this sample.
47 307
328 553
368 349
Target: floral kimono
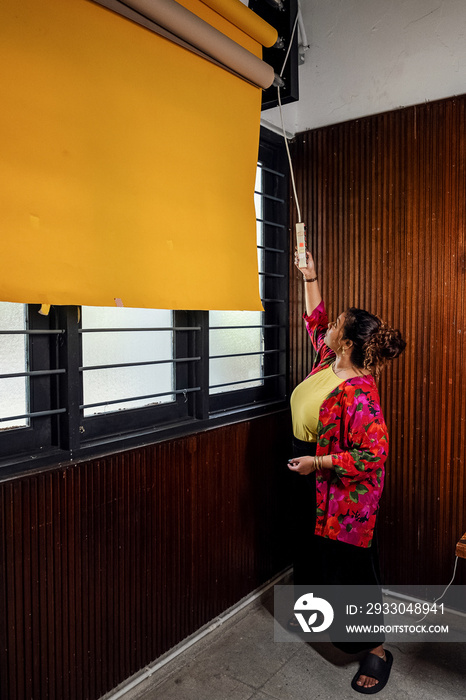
352 429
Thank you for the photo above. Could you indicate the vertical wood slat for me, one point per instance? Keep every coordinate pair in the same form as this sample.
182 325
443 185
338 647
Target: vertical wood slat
384 198
105 565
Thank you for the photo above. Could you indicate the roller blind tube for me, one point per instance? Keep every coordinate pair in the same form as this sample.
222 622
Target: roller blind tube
184 25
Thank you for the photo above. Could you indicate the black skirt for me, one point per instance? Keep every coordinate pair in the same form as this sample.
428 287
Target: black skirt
303 509
319 560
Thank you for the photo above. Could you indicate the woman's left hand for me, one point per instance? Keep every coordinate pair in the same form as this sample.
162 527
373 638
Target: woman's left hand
302 465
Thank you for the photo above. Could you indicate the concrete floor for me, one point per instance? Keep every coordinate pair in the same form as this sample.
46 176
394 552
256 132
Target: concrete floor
241 661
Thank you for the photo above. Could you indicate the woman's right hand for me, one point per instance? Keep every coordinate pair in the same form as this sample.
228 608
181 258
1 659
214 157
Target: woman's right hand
310 270
302 465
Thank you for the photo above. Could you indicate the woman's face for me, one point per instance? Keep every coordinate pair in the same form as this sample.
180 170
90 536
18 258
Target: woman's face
334 333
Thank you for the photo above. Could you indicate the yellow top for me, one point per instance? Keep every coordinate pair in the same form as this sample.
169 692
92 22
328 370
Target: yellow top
306 401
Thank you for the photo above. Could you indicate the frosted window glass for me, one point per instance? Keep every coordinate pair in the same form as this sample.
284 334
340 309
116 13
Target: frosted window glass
235 340
123 347
13 358
259 206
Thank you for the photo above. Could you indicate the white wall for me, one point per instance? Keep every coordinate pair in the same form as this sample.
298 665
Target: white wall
371 56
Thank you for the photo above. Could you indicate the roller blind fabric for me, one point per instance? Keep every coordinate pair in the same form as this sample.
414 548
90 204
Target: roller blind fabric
128 163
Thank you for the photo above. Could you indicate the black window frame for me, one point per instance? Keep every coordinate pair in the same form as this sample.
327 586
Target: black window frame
128 420
62 434
275 222
42 337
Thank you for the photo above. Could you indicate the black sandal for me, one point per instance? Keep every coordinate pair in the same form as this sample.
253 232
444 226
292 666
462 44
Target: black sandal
375 667
293 625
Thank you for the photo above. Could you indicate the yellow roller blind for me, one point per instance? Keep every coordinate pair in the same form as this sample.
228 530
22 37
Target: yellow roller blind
127 165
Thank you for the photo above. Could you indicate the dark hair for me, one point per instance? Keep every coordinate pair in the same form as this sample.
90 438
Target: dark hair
373 342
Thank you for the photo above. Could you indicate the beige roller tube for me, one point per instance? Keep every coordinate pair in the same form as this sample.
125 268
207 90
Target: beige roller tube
245 19
184 24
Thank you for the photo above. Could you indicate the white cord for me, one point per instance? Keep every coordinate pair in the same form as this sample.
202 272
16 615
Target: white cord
446 589
289 157
290 44
281 120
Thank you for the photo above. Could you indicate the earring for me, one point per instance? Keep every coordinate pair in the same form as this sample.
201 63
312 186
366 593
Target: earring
343 351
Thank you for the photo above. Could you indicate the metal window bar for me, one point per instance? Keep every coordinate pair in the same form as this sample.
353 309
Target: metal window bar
245 354
270 170
270 196
246 381
34 373
140 364
138 398
33 332
271 274
271 223
36 414
259 325
138 330
270 250
277 301
173 361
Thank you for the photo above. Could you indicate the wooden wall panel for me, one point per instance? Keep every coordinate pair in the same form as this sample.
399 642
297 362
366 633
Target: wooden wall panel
384 199
107 564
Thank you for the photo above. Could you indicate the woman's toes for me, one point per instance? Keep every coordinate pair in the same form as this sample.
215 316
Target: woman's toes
367 681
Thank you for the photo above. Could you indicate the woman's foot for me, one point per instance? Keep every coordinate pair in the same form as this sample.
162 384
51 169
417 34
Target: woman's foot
367 681
293 625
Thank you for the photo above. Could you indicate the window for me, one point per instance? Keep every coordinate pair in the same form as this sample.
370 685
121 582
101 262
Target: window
236 338
236 344
127 353
29 374
82 378
248 349
14 358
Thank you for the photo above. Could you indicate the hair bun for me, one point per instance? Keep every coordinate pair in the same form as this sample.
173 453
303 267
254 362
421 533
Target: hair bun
374 343
389 342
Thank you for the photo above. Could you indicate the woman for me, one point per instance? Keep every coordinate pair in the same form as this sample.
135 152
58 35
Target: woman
340 446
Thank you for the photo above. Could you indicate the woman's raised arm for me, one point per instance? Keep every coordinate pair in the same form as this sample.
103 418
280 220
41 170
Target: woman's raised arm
311 283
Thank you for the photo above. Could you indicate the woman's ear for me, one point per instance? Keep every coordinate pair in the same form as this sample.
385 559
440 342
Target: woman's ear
348 344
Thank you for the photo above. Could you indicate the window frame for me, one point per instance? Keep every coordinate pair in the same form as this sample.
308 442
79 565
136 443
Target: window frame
142 418
272 158
42 340
65 435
